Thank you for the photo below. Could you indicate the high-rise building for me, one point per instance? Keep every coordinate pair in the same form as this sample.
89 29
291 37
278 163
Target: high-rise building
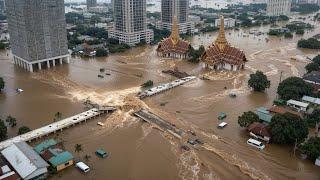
130 22
91 3
37 31
278 7
180 9
2 6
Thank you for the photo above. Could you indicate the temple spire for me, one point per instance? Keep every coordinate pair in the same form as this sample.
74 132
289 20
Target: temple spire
221 40
175 31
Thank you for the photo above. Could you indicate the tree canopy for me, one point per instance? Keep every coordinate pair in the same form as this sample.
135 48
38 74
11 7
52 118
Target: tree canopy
310 43
259 81
293 88
101 52
23 130
3 131
195 54
311 148
287 128
316 59
247 118
312 67
12 121
314 117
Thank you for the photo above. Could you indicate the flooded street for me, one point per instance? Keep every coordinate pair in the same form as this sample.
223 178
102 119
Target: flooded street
138 151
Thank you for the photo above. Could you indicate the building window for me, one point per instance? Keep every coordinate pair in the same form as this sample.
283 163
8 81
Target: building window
66 164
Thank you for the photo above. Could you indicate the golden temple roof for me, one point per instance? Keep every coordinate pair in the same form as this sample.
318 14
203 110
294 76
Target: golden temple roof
221 40
175 31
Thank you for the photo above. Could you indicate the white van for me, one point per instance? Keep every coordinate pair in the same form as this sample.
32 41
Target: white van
222 125
256 143
83 167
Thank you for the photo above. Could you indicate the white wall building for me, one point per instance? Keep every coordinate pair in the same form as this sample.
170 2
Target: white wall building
228 22
278 7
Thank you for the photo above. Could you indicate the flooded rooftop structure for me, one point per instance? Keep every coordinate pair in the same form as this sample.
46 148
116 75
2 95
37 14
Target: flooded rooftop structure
174 46
221 55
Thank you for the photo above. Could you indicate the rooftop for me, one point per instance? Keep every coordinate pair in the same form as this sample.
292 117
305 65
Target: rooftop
264 114
298 103
311 100
23 159
313 77
60 158
260 129
45 145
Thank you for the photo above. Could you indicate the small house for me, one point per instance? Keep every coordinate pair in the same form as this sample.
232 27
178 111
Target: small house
260 131
264 114
297 105
52 151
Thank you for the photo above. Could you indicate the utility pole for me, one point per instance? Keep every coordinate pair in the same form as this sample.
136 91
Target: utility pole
280 82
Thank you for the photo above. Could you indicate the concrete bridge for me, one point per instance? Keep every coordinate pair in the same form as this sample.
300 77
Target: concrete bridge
165 87
158 121
59 125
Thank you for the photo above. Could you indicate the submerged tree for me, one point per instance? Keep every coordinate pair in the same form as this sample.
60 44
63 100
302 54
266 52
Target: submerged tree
23 130
311 148
78 149
57 116
3 131
247 118
312 67
2 83
259 81
12 121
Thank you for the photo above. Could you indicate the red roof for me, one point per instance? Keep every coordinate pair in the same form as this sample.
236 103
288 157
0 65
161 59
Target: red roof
231 55
283 110
167 46
260 129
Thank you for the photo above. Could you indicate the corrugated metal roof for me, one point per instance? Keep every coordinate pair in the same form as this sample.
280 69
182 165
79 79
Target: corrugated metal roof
45 145
308 99
311 100
298 103
264 114
23 158
61 158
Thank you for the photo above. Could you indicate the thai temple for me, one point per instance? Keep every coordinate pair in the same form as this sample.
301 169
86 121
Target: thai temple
221 55
174 46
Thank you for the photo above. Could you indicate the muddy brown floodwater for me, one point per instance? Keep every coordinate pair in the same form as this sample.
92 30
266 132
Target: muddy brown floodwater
139 151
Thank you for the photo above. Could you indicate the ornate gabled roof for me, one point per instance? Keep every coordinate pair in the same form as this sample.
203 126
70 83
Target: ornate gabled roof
174 44
221 51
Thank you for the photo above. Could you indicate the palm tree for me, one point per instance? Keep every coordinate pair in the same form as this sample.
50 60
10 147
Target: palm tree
57 116
78 149
87 157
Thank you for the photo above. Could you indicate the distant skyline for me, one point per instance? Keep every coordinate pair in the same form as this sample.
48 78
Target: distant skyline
99 1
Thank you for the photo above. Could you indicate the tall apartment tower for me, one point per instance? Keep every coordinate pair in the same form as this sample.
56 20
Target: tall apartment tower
278 7
130 22
91 3
180 9
38 33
